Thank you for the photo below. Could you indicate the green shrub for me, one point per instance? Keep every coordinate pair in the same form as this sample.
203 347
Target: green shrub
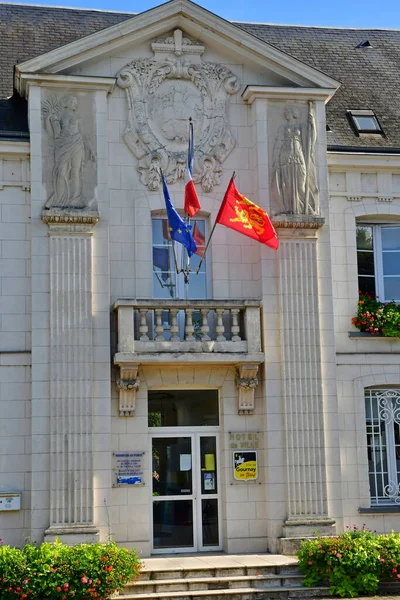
353 563
60 572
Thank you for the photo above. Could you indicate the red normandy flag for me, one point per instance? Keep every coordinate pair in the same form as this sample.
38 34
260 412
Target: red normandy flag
239 213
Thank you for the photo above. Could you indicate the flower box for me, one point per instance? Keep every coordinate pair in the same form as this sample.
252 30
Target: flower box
375 318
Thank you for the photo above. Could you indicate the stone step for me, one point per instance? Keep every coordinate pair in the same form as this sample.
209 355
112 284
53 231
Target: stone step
212 583
278 593
199 572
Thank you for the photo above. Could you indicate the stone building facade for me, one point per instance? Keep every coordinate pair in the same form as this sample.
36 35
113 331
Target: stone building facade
245 412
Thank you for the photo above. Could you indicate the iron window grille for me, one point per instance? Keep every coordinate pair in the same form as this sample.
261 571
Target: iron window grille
382 407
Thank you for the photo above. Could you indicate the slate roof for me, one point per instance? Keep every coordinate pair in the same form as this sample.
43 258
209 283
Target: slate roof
370 77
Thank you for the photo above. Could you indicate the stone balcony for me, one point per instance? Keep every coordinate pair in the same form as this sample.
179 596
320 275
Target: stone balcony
192 327
200 332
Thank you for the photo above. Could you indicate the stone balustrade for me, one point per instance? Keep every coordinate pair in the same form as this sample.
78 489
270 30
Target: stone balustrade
188 331
194 326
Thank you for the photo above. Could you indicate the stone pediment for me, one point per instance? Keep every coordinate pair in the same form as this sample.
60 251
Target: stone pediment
163 93
155 25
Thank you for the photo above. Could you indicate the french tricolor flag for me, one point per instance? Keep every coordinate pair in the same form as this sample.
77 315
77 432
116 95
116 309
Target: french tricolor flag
192 204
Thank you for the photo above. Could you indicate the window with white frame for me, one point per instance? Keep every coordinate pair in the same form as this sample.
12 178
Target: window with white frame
382 409
166 283
378 260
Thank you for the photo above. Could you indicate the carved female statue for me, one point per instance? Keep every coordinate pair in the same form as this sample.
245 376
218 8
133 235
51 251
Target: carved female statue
294 182
62 126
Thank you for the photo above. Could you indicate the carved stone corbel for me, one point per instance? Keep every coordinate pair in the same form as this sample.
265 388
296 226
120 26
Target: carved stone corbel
246 382
127 385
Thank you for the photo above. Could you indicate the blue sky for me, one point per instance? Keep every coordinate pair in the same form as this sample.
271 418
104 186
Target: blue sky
344 13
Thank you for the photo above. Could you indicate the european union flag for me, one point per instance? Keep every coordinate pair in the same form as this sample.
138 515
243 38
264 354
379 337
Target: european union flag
178 229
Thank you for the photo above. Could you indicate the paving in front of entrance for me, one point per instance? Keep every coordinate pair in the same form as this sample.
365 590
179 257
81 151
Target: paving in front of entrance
213 560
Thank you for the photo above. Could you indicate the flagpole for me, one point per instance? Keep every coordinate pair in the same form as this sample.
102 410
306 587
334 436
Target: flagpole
175 257
206 248
210 236
186 271
173 242
163 285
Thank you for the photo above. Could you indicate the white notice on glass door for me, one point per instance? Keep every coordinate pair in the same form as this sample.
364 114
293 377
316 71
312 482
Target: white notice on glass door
186 462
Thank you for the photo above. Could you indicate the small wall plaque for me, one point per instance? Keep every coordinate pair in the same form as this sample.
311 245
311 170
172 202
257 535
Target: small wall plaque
245 465
129 469
245 440
10 501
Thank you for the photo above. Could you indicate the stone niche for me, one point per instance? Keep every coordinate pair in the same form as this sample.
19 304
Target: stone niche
292 139
69 151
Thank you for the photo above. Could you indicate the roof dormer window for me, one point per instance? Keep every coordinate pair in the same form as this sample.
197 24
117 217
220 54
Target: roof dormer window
364 121
364 44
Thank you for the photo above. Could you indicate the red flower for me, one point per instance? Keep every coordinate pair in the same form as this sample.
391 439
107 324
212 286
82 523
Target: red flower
58 588
109 568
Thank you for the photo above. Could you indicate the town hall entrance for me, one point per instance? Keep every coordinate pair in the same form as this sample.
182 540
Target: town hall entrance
185 476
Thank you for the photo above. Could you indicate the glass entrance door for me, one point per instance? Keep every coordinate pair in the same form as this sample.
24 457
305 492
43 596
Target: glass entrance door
208 499
185 500
173 496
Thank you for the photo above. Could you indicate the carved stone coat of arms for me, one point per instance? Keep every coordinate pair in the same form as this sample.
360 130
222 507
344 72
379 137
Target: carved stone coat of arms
163 93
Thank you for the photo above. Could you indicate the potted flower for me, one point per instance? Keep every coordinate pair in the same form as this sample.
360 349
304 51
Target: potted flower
377 318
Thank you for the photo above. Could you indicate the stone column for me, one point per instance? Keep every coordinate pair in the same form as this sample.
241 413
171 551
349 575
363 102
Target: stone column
302 379
71 375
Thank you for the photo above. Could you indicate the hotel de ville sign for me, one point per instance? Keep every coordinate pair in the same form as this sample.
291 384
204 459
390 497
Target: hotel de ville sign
163 93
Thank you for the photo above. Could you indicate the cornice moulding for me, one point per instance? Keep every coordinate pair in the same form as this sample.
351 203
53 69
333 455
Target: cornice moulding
24 81
14 149
252 92
355 160
192 19
297 226
70 217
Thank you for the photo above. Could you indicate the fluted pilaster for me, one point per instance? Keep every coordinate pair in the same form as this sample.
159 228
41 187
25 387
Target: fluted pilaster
71 371
302 378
